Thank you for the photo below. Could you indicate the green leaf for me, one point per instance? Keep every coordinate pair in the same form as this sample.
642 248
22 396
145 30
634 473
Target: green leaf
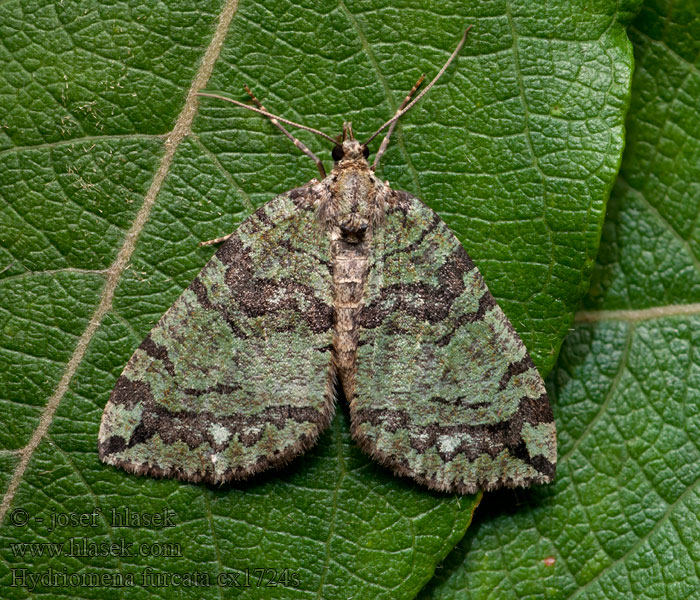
621 519
108 185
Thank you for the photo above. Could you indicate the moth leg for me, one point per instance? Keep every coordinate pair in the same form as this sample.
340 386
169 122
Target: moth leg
218 240
385 141
294 140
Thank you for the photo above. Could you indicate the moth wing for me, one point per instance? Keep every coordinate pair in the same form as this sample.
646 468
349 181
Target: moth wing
445 391
234 378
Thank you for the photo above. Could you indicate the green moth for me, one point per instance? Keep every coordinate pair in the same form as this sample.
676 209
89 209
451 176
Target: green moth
342 287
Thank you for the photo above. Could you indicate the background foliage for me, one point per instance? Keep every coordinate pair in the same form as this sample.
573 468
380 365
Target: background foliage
107 185
622 518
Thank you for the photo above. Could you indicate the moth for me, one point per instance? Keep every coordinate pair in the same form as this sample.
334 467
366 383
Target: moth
343 287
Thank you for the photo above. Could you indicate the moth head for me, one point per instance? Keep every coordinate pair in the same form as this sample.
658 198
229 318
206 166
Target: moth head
350 150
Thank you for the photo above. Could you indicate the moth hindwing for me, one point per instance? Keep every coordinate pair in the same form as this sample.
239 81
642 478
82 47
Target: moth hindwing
343 282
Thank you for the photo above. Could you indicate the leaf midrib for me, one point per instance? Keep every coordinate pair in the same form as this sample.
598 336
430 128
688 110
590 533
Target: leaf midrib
180 131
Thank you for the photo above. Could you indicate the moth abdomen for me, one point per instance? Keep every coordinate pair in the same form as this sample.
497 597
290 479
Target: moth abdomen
350 270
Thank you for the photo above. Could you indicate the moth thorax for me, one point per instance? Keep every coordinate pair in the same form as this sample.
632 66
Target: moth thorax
356 194
353 227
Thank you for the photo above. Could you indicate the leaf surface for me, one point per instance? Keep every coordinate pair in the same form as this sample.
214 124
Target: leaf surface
621 520
108 184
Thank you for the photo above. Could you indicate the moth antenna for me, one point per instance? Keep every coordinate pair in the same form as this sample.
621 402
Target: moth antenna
400 113
385 142
267 114
298 143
